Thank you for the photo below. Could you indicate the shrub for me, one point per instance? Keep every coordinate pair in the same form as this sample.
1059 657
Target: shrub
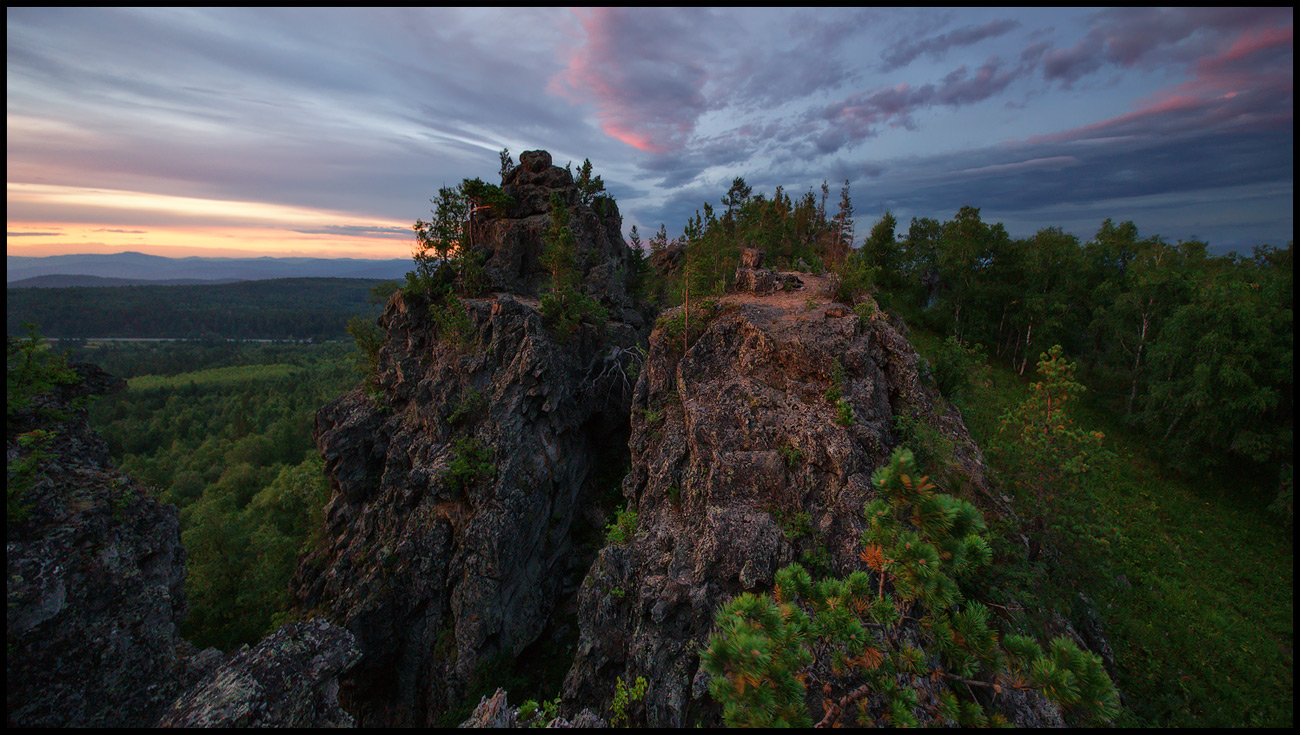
622 528
843 413
854 279
471 463
956 365
469 401
624 697
791 455
369 341
565 306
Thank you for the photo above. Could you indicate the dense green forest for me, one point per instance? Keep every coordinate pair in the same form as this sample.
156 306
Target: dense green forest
283 308
230 445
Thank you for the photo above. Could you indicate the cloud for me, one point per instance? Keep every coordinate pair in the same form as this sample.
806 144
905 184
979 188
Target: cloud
11 233
1248 86
654 74
397 233
860 116
904 52
645 83
1127 37
1053 162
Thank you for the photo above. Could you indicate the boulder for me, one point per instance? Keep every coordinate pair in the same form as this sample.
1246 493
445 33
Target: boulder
751 258
288 680
761 281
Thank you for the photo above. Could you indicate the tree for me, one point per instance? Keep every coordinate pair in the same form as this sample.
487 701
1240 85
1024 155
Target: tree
1050 457
507 163
564 306
881 250
870 638
659 240
844 224
1221 379
737 195
588 186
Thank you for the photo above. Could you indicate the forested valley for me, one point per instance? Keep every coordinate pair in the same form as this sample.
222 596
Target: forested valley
1133 395
222 430
275 309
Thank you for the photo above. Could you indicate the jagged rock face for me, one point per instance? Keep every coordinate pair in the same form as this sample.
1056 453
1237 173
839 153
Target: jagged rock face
95 584
436 579
96 593
512 243
288 680
731 441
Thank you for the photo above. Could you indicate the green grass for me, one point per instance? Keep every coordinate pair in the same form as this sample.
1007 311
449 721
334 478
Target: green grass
213 377
1194 586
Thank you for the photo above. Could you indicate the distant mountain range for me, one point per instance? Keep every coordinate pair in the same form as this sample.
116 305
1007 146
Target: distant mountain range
123 269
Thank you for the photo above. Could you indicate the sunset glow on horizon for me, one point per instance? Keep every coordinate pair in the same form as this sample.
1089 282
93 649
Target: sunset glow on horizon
190 226
37 239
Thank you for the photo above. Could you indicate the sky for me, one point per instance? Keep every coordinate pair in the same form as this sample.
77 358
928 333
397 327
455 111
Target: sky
325 132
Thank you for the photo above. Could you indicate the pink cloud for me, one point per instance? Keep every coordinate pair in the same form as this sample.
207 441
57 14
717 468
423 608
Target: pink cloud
646 92
1248 46
1248 83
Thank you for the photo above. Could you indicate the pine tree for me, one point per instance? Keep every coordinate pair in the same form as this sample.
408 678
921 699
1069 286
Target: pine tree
588 186
507 163
564 306
1039 438
875 634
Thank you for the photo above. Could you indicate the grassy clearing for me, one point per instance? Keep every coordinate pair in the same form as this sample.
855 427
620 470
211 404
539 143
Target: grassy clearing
213 377
1194 585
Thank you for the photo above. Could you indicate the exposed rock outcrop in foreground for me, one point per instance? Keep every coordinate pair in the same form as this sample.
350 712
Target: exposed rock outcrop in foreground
95 585
288 680
741 464
95 595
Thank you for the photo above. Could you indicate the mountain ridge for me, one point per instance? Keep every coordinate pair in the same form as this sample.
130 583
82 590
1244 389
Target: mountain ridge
140 266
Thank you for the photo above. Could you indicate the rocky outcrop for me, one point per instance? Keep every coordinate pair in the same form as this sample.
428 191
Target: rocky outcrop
753 278
95 579
512 242
288 680
761 281
461 479
95 595
742 464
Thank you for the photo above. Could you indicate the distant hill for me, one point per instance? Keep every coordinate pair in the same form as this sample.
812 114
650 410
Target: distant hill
141 267
290 308
97 281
